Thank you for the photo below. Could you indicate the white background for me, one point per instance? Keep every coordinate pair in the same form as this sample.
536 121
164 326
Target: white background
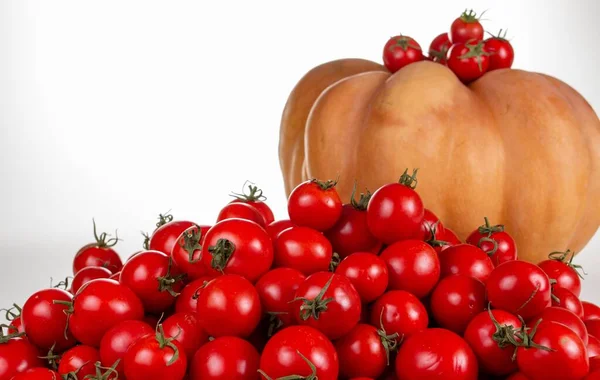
120 110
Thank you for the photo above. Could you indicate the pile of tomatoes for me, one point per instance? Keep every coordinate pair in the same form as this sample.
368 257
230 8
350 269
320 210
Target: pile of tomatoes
377 288
463 49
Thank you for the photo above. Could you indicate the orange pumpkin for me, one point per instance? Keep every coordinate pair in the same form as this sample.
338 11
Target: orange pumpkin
521 148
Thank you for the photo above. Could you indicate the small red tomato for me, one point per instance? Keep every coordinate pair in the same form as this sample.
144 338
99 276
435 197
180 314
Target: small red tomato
303 249
501 52
275 228
469 61
560 267
184 328
255 198
187 301
167 232
450 237
593 346
37 374
238 210
187 252
86 275
401 51
466 259
276 290
98 254
327 302
315 204
590 311
399 312
564 298
456 300
229 305
564 317
367 273
117 340
592 327
17 355
13 315
225 358
439 48
79 360
499 245
466 28
412 266
436 353
431 224
395 211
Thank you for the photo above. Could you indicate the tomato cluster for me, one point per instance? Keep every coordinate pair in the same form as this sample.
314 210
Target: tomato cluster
376 288
463 49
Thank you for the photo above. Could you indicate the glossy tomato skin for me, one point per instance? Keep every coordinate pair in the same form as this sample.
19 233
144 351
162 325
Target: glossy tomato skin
468 61
280 356
401 51
93 256
98 306
187 252
436 353
315 204
501 52
564 298
343 310
37 374
45 322
565 276
165 237
479 334
18 355
239 210
187 301
519 287
276 290
567 358
438 48
229 305
398 311
368 274
466 28
565 317
395 212
466 259
260 206
590 311
147 360
350 234
593 346
142 275
412 266
429 224
304 249
88 274
184 328
277 227
237 359
80 359
118 339
251 254
456 300
506 248
361 353
592 327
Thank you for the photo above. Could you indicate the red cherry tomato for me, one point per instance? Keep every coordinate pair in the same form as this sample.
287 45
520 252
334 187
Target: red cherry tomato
565 317
45 321
436 353
519 287
315 204
592 326
37 374
184 328
399 312
187 252
303 249
13 315
118 339
255 198
401 51
238 210
395 211
431 223
469 60
17 355
79 360
275 228
593 346
466 259
466 28
327 302
86 275
501 52
98 254
590 311
450 237
367 273
225 358
499 245
301 351
187 301
165 236
564 298
456 300
439 48
229 306
276 290
412 266
560 267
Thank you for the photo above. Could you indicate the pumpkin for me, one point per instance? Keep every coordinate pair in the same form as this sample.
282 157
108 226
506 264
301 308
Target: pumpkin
518 147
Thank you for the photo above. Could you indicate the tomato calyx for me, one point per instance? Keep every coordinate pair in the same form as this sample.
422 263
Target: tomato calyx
197 292
164 219
470 16
433 242
552 295
410 181
313 308
505 335
4 338
500 36
103 240
275 323
221 253
363 200
527 338
191 243
389 342
68 312
10 314
103 373
146 243
475 51
439 55
489 230
325 185
64 284
312 376
163 342
335 262
567 258
404 43
52 358
254 193
166 282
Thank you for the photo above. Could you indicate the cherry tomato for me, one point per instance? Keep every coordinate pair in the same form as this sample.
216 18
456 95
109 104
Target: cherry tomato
565 317
519 287
255 198
501 52
154 279
368 274
184 328
469 61
238 210
456 300
401 51
17 355
399 312
37 374
86 275
590 311
439 48
99 305
165 236
116 276
466 259
564 298
276 290
450 237
594 364
225 358
436 353
275 228
563 357
187 252
466 28
45 321
155 357
592 326
412 266
327 302
499 245
315 204
187 301
79 360
593 346
431 223
395 211
13 315
118 339
301 351
303 249
98 254
229 306
560 267
364 351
